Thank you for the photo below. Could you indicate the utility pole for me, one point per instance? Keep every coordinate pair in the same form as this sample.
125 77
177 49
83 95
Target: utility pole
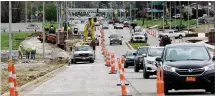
175 13
208 16
197 13
164 3
10 35
180 14
66 22
26 14
188 17
170 15
130 12
214 15
43 30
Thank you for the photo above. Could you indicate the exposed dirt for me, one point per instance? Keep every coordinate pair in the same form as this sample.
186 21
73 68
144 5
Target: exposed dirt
28 74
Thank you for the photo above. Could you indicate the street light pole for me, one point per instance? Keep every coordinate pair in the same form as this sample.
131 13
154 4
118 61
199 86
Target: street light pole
10 35
43 30
26 14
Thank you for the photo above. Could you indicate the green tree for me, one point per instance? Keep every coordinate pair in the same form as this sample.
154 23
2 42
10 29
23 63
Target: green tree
50 12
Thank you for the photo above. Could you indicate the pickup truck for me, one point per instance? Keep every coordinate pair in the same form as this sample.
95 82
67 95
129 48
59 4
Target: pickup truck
172 34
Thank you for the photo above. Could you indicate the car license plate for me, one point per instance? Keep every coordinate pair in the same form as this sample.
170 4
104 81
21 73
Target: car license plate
190 79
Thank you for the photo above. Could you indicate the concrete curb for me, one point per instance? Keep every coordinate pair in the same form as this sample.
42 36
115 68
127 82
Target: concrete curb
129 46
37 80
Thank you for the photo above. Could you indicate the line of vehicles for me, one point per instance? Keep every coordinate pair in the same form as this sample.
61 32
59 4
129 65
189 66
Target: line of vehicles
186 66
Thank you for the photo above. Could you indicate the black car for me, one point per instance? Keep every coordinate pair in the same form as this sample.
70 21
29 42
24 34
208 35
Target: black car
138 60
129 58
115 39
187 66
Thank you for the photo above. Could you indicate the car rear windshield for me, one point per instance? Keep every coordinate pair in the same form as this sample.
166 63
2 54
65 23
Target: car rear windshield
153 52
130 53
83 48
114 36
143 50
139 33
187 53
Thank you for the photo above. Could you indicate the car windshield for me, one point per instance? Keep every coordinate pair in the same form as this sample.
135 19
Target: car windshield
130 53
143 50
138 33
114 36
83 48
187 53
153 52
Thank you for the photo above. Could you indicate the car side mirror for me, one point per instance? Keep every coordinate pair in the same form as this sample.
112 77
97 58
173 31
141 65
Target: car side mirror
108 37
135 54
213 58
158 59
122 37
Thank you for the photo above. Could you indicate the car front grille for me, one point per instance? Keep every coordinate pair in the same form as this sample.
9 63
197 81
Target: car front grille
84 55
138 37
197 71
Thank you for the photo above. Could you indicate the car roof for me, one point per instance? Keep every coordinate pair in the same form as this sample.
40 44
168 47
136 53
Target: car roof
143 47
185 44
156 47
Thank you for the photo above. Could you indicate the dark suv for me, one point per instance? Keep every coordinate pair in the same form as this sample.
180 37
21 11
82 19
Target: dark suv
187 66
138 59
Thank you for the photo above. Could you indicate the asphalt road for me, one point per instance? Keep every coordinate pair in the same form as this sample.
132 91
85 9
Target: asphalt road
144 87
93 79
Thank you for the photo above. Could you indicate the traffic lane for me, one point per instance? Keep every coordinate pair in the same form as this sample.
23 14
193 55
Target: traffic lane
147 87
82 80
144 87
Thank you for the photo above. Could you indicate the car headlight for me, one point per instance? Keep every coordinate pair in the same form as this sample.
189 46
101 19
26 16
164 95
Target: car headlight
209 67
168 68
150 62
111 39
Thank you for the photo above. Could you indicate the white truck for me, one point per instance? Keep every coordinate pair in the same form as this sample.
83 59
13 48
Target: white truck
172 34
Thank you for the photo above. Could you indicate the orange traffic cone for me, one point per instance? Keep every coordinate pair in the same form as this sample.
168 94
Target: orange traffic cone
11 79
122 62
160 82
113 70
108 60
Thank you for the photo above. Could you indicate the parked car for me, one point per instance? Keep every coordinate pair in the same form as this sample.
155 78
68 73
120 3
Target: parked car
110 22
129 58
82 53
149 67
187 66
138 60
115 39
138 37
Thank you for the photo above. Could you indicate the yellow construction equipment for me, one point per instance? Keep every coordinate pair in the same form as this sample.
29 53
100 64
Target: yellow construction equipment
89 30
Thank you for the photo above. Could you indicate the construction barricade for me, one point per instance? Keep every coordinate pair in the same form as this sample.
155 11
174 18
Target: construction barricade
113 68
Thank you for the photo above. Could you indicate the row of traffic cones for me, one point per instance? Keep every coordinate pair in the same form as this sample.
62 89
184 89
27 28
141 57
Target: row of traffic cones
110 59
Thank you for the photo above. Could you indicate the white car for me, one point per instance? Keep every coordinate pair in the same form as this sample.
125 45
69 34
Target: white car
118 26
172 34
149 67
138 37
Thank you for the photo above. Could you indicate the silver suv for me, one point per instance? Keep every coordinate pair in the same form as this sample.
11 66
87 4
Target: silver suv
82 53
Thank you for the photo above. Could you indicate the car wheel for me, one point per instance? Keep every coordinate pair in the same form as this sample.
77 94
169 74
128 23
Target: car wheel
180 37
91 61
121 43
145 74
136 68
125 65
